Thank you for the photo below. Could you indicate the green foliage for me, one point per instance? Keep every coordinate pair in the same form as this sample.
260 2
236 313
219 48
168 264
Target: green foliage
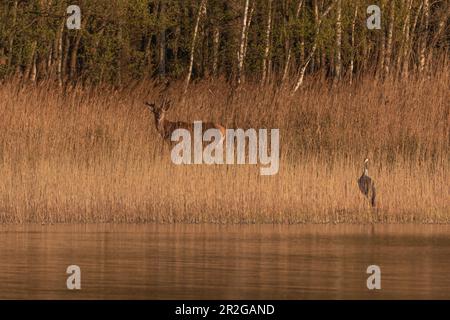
125 40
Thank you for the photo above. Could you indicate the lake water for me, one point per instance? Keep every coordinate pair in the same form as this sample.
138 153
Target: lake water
224 262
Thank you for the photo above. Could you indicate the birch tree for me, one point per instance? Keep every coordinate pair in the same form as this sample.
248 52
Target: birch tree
338 63
243 43
216 42
388 56
201 11
423 37
267 42
352 43
410 42
402 55
59 52
302 69
12 32
289 51
162 40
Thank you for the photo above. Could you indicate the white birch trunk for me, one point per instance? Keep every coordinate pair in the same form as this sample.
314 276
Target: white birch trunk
216 38
403 56
338 64
352 41
413 31
423 40
289 54
201 10
242 44
267 44
249 22
313 49
388 57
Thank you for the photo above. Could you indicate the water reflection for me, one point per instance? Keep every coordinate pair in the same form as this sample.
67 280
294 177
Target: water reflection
224 262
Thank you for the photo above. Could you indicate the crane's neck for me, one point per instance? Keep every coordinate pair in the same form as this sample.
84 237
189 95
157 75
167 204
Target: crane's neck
366 169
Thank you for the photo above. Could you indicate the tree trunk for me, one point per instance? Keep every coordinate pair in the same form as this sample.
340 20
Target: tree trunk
216 42
410 44
162 41
302 70
59 52
201 11
12 34
267 42
352 43
338 62
289 51
388 57
249 22
365 53
242 44
423 38
316 9
49 65
381 54
31 61
148 57
403 57
74 55
176 45
65 60
33 72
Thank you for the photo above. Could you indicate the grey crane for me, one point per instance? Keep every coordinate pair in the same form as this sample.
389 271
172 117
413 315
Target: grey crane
367 185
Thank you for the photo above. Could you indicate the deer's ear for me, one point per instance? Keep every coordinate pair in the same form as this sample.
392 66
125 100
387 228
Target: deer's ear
167 105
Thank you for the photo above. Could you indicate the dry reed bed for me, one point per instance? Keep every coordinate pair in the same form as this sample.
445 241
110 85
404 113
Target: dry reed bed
92 154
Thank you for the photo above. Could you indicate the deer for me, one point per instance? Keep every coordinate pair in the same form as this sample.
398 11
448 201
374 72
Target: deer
166 127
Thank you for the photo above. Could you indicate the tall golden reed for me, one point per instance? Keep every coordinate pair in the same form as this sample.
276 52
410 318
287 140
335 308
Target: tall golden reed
92 154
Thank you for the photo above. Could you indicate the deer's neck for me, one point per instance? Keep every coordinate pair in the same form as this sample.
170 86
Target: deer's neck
161 126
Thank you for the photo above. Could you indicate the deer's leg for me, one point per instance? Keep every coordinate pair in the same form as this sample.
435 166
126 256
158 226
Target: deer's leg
167 145
162 147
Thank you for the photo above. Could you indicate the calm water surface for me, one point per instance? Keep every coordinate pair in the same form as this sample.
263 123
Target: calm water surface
224 262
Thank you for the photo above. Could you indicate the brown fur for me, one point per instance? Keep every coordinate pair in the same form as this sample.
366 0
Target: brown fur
166 127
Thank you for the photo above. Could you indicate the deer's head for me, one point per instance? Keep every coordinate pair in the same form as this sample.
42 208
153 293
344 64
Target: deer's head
159 111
